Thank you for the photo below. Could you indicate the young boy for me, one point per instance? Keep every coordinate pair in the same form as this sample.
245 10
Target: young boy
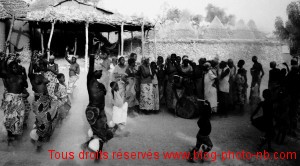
265 123
203 134
62 96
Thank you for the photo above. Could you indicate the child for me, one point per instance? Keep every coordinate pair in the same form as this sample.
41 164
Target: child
119 116
62 96
265 122
203 133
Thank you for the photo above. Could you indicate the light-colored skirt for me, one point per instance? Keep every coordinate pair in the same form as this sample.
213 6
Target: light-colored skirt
120 114
147 97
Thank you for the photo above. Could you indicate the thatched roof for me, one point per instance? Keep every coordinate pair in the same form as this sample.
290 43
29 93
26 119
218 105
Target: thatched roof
68 11
216 30
3 13
242 31
18 8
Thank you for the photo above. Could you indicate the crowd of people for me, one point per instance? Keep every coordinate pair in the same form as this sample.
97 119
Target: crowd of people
114 84
51 102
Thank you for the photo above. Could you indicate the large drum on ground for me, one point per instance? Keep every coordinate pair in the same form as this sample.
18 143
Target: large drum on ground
187 107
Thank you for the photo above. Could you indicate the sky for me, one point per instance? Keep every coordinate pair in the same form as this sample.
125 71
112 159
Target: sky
263 12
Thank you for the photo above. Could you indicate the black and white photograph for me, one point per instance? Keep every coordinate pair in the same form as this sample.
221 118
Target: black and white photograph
157 82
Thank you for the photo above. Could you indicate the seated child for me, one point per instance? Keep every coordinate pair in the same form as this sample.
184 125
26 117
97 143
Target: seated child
62 96
203 133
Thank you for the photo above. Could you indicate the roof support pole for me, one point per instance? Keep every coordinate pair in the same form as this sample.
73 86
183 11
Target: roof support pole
122 39
119 42
131 42
75 47
86 44
7 44
155 43
49 41
108 36
42 40
143 40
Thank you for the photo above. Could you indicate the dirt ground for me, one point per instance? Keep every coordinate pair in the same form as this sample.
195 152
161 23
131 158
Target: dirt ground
161 132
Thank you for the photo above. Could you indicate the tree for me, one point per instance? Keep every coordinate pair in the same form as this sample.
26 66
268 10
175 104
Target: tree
290 31
196 19
174 14
213 11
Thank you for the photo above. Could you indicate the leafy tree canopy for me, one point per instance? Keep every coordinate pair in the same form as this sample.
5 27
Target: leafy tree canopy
213 11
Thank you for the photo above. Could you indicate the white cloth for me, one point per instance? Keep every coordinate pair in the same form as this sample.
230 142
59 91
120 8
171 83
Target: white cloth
119 109
210 92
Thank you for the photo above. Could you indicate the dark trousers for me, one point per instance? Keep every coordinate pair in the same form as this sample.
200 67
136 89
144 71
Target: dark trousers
224 102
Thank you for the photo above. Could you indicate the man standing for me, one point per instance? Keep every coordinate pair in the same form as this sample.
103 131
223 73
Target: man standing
257 74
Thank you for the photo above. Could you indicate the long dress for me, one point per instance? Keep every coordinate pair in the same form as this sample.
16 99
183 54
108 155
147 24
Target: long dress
210 91
14 113
64 103
130 93
240 97
146 96
170 96
51 85
155 93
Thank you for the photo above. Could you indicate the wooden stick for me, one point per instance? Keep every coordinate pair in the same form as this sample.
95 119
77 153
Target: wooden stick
122 39
86 44
108 36
131 42
42 41
7 44
143 38
75 47
50 38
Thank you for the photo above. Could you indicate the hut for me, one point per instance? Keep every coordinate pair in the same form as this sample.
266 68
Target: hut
9 28
3 18
258 34
216 30
83 19
242 31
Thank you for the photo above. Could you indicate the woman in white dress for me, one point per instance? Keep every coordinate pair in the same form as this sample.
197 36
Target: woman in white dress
210 91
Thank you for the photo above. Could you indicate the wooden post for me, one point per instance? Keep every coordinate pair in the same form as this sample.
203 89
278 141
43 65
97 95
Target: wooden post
50 38
131 42
7 43
42 40
75 47
155 43
122 39
108 36
143 39
119 42
86 45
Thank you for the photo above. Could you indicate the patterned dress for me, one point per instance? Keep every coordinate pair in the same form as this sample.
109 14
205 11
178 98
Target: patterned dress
147 95
64 103
130 93
46 114
14 113
51 85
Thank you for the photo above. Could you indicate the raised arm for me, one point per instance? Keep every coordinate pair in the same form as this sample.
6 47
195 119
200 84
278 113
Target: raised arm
225 73
91 67
66 55
262 71
3 68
